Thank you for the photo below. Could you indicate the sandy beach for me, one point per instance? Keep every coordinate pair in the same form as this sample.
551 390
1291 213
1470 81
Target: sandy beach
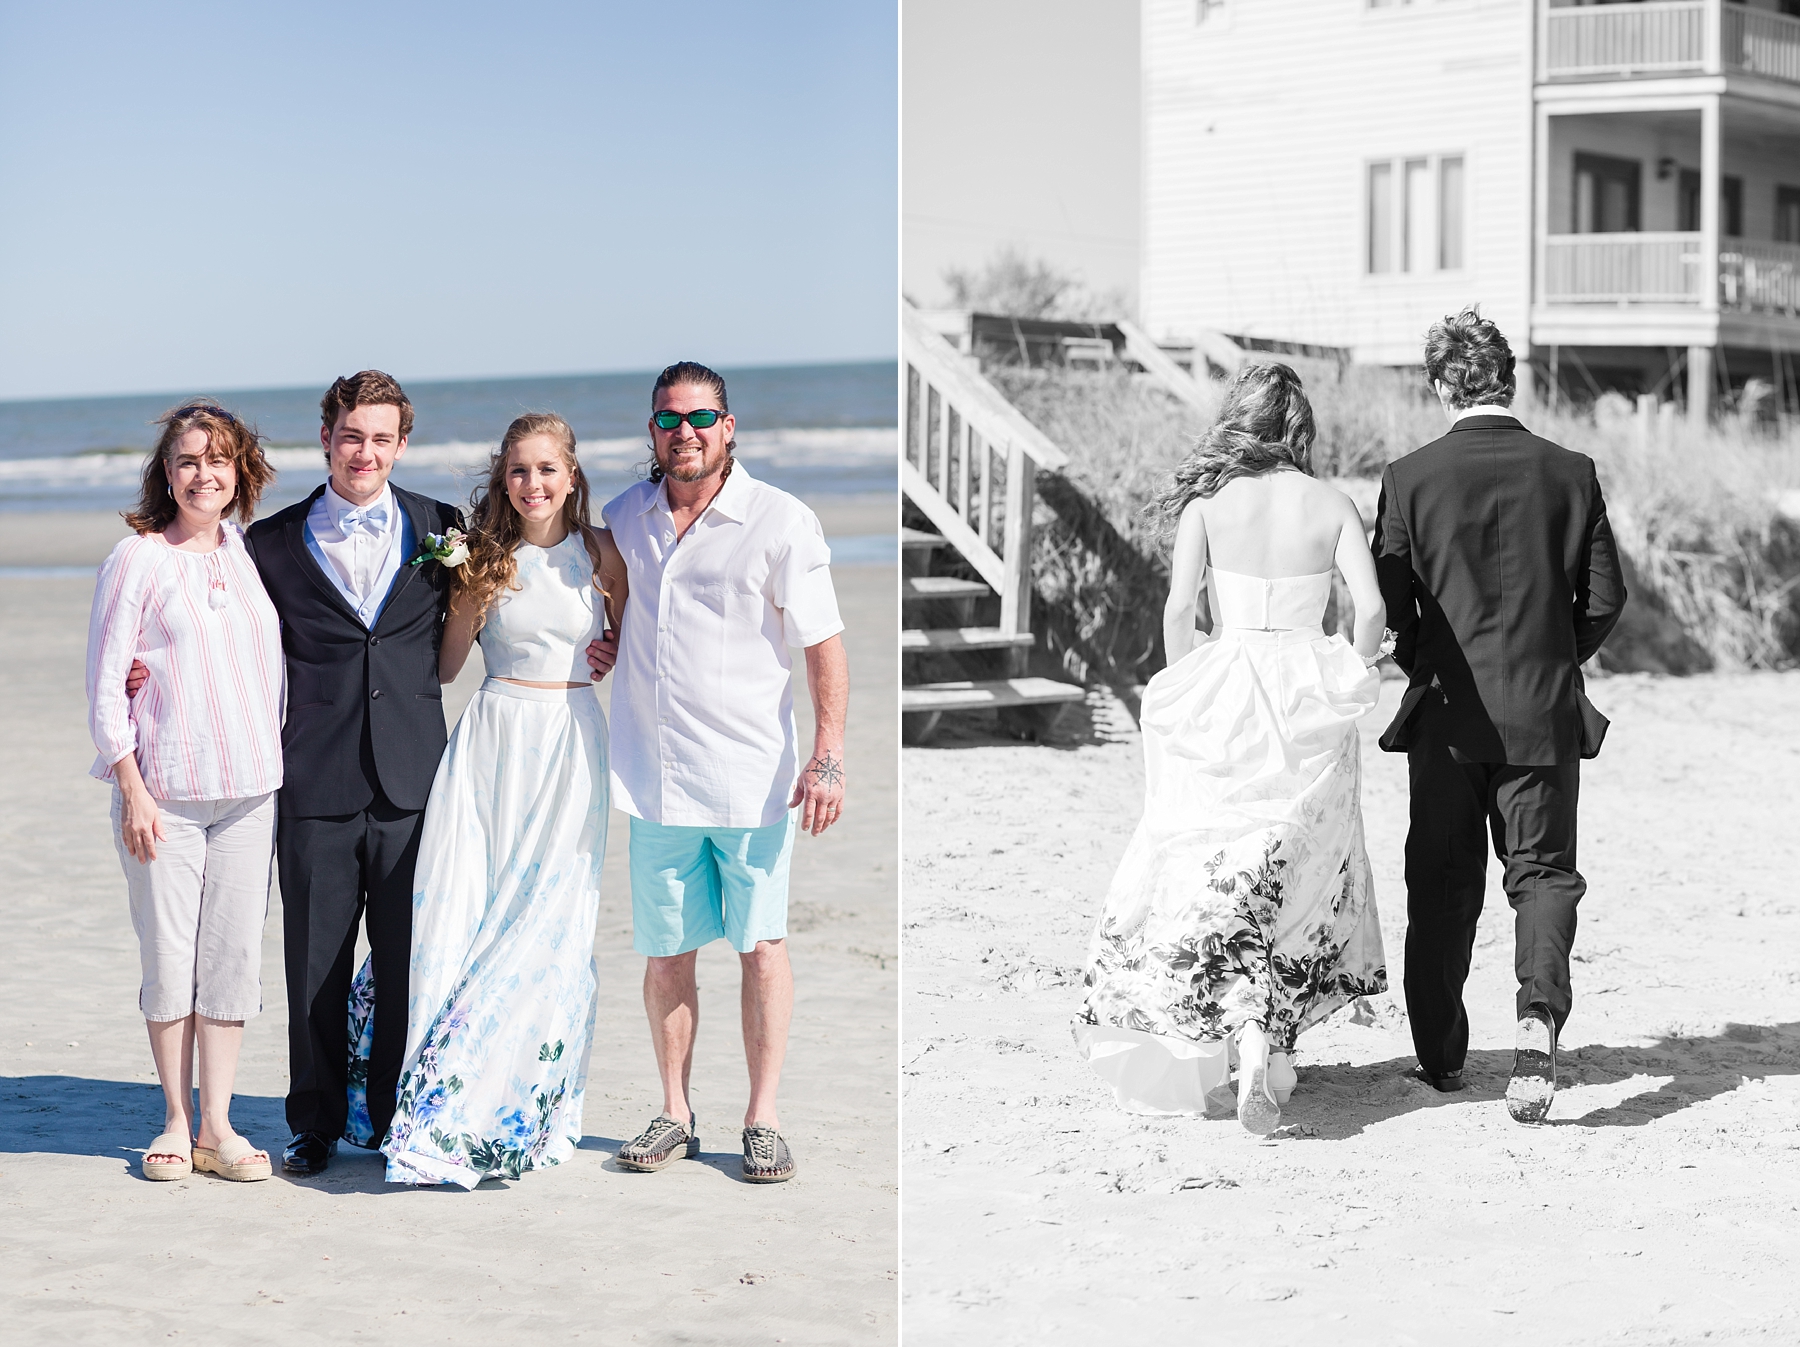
92 1253
1660 1205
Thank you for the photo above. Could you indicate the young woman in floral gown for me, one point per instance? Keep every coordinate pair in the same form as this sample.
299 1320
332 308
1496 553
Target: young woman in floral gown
1243 910
506 894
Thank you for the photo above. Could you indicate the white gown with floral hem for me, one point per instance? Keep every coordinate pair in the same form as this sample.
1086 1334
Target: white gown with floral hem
505 900
1245 894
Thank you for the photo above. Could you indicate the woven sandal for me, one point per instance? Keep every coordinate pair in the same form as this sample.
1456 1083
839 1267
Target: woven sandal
169 1143
660 1145
766 1156
236 1160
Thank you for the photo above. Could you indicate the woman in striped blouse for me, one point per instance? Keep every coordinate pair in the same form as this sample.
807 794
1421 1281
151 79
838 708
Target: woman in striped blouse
195 759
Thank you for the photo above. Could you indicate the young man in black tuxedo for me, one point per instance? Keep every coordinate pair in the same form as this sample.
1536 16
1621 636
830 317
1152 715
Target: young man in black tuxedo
364 731
1500 577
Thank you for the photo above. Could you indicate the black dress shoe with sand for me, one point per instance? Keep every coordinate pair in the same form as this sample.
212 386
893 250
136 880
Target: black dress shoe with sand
1533 1084
1448 1083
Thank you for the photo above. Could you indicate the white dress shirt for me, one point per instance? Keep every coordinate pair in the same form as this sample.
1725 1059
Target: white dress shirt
703 702
359 547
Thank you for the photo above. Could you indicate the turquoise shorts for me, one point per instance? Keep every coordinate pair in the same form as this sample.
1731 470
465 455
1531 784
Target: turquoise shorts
692 886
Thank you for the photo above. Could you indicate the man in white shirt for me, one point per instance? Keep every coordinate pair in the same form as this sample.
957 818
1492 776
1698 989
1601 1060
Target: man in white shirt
726 574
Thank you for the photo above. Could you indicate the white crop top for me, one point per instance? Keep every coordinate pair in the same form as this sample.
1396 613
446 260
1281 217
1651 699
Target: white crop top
539 632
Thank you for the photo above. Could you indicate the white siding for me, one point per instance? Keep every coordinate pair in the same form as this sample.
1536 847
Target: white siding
1258 126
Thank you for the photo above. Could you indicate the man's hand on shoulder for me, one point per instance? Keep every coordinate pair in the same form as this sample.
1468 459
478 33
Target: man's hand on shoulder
820 791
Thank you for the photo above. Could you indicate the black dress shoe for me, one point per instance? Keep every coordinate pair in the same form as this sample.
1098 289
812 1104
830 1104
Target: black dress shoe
308 1153
1448 1083
1532 1088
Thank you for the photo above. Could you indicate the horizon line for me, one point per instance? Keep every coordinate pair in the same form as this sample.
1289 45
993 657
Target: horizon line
453 379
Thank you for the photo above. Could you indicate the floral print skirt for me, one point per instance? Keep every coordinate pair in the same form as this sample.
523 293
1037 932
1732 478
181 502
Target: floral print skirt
1245 894
505 899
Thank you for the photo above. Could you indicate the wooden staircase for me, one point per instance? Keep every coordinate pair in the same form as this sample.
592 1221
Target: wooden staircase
969 464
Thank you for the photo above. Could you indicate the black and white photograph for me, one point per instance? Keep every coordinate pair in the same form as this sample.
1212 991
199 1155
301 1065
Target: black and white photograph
1351 735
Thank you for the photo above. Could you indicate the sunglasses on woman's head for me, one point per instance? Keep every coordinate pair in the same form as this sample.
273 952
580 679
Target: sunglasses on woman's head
199 408
699 420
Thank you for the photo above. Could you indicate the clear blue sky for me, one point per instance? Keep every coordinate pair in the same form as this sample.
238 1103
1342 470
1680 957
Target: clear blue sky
199 196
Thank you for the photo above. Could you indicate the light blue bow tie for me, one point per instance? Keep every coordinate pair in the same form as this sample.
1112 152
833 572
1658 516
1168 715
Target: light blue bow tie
374 518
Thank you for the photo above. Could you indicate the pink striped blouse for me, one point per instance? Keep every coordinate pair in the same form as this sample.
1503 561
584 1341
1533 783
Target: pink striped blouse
207 724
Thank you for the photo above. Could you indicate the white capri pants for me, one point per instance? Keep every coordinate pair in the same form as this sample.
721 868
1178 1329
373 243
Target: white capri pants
199 906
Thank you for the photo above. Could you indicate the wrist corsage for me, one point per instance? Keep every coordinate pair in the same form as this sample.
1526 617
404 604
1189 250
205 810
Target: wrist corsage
449 548
1389 639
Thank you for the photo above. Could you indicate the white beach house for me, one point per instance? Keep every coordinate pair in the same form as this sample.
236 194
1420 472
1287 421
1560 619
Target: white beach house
1617 184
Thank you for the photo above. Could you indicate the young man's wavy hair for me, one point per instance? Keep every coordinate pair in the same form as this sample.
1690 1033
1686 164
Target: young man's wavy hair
365 388
1265 424
227 439
1470 357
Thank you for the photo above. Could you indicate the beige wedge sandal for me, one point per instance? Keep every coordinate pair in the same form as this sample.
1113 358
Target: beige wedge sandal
236 1160
169 1143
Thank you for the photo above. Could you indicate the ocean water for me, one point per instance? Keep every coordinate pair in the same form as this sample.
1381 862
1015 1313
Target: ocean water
814 430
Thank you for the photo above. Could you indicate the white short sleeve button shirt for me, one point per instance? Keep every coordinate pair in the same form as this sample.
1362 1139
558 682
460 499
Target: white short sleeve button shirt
703 705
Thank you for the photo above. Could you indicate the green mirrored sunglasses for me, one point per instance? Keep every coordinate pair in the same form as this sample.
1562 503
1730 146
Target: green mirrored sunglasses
699 420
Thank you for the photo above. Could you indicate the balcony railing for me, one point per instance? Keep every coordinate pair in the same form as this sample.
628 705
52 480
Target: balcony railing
1668 37
1754 277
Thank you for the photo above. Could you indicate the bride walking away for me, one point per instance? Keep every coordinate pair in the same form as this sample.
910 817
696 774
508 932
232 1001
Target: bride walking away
1244 909
508 885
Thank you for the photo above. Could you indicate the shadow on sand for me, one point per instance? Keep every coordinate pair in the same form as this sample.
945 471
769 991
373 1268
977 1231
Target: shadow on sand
115 1119
1338 1101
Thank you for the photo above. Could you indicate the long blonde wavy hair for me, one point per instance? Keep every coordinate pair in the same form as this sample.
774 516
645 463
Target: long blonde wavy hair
1265 424
496 529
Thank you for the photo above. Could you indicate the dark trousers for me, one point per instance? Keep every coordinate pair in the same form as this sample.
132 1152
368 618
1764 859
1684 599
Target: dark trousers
334 871
1530 814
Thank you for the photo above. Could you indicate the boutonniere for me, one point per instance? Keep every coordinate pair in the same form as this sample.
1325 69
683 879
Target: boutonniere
450 547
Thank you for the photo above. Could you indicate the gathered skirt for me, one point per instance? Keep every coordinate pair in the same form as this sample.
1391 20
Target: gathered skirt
500 1010
1245 894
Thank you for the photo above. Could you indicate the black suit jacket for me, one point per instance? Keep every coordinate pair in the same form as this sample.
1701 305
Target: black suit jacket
364 707
1500 577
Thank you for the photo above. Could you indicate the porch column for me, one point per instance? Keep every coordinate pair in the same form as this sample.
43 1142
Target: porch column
1700 357
1540 230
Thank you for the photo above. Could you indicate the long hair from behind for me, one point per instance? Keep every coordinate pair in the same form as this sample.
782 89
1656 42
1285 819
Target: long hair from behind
1265 424
496 528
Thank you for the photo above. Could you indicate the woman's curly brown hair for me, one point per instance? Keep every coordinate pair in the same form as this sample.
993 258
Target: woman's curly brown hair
1265 424
227 439
496 530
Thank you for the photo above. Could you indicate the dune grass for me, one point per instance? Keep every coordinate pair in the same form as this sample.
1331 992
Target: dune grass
1713 562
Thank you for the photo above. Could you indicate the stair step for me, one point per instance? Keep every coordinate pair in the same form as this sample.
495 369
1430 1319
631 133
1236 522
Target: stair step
914 640
942 587
993 693
916 540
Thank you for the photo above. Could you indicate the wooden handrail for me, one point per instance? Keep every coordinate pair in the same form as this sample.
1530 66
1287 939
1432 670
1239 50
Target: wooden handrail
991 416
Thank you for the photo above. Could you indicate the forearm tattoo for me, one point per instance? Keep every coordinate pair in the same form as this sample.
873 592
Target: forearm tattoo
826 770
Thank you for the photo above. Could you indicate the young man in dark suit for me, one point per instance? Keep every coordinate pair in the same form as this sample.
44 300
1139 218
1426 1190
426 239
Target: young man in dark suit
361 626
1501 578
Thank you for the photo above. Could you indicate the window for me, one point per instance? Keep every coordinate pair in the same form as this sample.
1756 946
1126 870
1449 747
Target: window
1787 214
1450 213
1381 218
1731 204
1606 194
1414 218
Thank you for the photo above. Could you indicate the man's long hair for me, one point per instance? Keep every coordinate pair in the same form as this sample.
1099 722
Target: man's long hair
693 372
